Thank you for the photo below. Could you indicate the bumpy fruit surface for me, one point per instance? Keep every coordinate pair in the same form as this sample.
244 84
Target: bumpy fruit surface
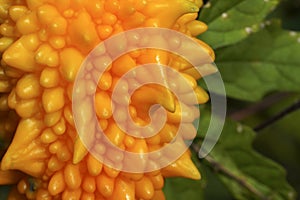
43 43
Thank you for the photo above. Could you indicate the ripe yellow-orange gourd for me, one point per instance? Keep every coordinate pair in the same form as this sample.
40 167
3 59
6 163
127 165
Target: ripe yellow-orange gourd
43 44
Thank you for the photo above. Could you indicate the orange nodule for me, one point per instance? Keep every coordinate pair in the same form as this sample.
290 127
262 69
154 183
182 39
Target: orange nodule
43 45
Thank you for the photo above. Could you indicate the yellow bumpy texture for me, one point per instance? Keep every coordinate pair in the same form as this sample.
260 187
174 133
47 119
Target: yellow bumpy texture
43 43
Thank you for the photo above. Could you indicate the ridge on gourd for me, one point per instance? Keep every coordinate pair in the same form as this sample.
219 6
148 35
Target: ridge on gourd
43 44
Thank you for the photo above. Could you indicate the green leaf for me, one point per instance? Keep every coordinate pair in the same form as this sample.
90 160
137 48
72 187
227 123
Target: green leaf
231 21
246 173
181 188
266 61
215 189
284 133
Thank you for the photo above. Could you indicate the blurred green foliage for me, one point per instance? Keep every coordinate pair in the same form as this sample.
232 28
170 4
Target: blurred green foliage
279 141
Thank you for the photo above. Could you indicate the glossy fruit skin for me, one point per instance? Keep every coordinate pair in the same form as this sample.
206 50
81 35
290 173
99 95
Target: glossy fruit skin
43 44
